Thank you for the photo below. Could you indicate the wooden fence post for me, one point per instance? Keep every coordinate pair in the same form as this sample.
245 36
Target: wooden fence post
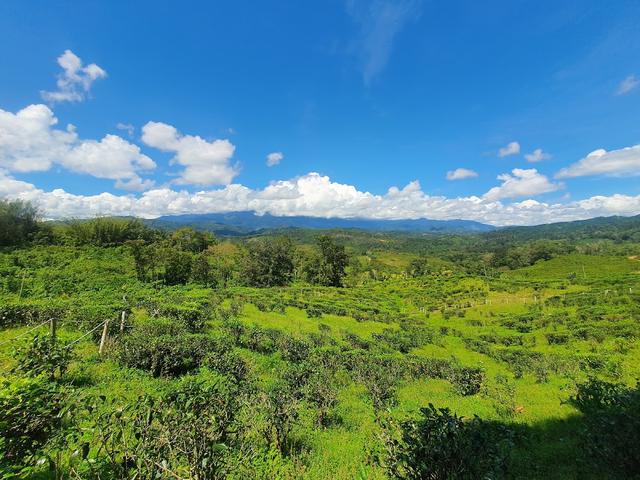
53 324
105 330
123 318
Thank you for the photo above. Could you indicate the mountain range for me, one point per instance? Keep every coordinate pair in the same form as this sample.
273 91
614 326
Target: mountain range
242 223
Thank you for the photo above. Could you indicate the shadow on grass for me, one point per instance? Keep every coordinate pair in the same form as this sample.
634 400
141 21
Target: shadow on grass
601 442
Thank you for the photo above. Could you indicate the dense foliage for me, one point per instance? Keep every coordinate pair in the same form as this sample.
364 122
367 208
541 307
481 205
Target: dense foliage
442 445
18 222
317 354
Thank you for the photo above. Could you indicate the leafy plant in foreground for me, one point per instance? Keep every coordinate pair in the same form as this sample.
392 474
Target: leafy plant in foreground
31 411
444 446
43 356
611 432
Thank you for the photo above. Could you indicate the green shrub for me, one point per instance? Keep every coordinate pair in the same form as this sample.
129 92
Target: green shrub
314 312
29 312
261 340
428 367
192 317
557 338
166 350
321 391
195 425
381 375
191 429
31 412
293 349
443 446
281 406
406 338
611 432
43 356
467 380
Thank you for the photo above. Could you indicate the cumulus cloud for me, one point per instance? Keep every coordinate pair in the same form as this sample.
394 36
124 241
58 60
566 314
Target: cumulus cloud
461 174
316 195
205 163
135 184
274 158
74 83
379 22
521 183
513 148
537 156
627 85
29 142
625 161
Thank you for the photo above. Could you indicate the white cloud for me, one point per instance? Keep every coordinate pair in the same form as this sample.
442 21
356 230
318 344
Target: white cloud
537 156
461 174
625 161
135 184
112 158
74 83
316 195
127 127
513 148
521 183
627 85
379 22
274 158
29 142
206 163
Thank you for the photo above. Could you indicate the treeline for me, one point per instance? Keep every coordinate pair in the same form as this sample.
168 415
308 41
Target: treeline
274 260
21 225
187 255
616 229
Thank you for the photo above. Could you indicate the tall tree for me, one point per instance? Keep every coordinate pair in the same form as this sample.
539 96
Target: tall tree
269 262
191 240
328 266
18 222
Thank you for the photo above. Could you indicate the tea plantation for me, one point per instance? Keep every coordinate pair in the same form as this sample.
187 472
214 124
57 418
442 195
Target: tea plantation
132 353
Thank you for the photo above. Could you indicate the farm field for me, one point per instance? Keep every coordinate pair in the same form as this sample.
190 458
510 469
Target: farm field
225 370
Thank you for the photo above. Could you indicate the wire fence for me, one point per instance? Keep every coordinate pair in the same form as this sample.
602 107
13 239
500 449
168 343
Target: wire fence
24 333
86 334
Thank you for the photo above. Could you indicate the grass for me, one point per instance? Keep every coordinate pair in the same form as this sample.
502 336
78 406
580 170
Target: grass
458 308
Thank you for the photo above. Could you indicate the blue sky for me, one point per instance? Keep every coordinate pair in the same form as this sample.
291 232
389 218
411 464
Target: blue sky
368 108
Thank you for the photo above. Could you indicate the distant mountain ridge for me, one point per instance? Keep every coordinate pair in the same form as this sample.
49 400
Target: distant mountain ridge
239 223
613 228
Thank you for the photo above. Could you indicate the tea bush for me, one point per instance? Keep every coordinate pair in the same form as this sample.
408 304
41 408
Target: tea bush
441 445
31 412
43 356
611 432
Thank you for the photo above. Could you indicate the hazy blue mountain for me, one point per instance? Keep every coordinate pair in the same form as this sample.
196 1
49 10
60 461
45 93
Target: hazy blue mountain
245 222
